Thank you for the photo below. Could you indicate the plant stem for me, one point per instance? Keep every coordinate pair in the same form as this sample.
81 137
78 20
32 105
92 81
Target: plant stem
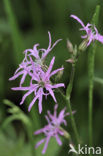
67 99
73 122
91 57
72 118
70 86
68 96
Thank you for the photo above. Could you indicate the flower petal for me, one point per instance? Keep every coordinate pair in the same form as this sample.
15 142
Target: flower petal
56 43
16 75
23 78
49 47
39 131
46 145
24 97
58 85
55 71
49 39
99 38
46 117
39 143
50 67
40 100
32 103
55 110
58 140
35 51
78 19
21 88
51 93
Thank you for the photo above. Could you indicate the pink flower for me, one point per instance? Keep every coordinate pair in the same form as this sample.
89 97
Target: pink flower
42 85
44 52
34 53
21 71
53 128
91 31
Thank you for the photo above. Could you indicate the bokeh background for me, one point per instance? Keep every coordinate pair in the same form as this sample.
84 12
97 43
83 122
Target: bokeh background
24 23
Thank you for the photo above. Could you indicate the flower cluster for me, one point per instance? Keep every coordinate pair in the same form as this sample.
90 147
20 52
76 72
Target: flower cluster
91 31
41 85
53 128
34 67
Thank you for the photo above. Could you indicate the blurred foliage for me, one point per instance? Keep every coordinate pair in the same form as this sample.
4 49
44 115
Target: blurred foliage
24 23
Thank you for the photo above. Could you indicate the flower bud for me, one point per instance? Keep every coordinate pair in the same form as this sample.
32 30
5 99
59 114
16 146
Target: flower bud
59 75
83 45
69 46
66 134
70 60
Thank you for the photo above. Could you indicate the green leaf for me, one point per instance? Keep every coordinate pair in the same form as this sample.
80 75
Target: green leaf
17 114
10 147
98 80
15 32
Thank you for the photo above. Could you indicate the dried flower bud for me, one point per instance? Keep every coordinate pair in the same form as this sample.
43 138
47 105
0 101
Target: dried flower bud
69 46
59 74
70 60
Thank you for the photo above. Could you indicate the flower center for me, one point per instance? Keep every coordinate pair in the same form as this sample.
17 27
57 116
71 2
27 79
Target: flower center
42 84
92 29
39 61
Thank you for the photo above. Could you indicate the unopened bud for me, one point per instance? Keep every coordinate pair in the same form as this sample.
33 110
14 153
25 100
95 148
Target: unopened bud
75 51
70 60
66 134
83 45
69 46
59 75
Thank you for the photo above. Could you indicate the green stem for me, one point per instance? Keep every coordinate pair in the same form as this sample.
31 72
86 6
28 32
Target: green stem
91 57
72 118
67 99
70 86
73 122
68 96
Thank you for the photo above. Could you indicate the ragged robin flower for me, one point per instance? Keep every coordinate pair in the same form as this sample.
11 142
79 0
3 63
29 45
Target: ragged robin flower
53 128
38 55
40 84
91 32
41 54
